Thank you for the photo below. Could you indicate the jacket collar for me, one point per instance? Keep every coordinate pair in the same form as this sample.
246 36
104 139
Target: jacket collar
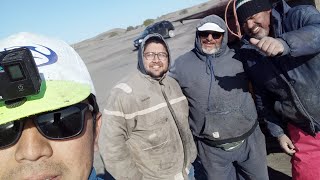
152 80
93 175
279 11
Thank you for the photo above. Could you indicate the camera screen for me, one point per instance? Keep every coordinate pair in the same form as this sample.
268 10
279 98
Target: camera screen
15 72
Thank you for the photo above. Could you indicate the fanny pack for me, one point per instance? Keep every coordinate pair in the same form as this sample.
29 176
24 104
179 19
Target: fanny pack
230 146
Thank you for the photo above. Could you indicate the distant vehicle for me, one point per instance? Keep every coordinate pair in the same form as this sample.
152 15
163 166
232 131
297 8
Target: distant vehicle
165 28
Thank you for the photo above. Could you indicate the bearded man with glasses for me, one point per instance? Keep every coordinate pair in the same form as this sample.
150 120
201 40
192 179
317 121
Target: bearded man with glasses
222 115
52 134
146 121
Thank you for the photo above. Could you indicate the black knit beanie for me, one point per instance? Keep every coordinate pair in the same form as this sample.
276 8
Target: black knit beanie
247 8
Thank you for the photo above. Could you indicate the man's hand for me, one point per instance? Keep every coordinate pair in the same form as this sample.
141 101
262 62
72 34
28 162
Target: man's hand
270 46
286 144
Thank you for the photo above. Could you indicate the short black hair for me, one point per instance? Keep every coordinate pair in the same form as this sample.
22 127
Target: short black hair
155 39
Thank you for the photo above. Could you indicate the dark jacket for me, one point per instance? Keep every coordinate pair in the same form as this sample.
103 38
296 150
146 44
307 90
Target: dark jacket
221 107
287 87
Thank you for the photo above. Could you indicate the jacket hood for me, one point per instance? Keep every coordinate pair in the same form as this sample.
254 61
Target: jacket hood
220 22
141 50
280 7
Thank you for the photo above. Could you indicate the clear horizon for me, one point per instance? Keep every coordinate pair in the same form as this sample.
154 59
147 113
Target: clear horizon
75 21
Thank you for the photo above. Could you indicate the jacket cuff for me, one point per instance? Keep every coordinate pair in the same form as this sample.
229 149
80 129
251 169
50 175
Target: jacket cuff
285 46
274 129
274 126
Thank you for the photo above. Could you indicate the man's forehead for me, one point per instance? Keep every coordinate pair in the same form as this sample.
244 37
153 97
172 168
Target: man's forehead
151 45
260 14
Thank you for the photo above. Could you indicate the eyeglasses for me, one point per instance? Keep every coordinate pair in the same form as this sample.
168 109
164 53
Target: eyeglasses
151 55
61 124
215 35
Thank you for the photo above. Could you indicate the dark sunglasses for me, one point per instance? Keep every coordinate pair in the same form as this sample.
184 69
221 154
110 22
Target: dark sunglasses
215 35
61 124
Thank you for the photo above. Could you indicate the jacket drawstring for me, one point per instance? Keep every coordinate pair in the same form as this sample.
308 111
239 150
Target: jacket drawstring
209 67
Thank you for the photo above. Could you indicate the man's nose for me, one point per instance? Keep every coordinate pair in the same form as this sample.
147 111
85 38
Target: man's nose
210 37
250 23
156 58
32 146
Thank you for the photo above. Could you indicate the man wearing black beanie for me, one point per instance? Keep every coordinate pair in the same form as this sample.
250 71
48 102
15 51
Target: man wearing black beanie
281 55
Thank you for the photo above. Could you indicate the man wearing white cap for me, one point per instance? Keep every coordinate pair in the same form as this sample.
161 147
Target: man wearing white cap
222 113
51 134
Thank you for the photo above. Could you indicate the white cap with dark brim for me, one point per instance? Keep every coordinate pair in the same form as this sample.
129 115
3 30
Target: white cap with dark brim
65 78
211 27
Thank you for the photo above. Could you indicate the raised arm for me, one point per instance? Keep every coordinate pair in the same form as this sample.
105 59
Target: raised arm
303 36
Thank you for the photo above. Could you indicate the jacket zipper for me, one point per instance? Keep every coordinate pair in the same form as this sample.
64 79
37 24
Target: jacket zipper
175 120
299 103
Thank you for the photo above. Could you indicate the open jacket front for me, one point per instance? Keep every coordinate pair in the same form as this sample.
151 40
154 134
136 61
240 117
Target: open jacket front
287 87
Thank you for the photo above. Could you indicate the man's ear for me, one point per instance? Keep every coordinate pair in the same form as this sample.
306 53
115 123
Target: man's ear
97 130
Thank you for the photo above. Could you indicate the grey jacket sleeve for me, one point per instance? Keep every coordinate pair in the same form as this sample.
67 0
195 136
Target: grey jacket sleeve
173 72
303 31
114 149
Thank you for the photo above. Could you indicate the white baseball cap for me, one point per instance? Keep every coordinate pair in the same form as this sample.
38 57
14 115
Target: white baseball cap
65 78
210 27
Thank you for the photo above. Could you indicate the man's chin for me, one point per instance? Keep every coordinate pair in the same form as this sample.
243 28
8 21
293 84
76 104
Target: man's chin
210 51
259 35
156 75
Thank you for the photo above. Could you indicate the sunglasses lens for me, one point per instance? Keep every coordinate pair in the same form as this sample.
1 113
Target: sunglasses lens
203 34
10 133
215 35
62 124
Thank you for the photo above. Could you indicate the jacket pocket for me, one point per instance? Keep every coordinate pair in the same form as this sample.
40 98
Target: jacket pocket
153 149
228 124
148 136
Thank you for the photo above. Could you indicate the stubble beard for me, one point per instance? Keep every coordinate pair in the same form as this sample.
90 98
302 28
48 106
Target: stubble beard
156 75
26 169
211 51
262 33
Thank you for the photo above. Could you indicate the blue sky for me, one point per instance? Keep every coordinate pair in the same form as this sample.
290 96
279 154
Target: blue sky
76 20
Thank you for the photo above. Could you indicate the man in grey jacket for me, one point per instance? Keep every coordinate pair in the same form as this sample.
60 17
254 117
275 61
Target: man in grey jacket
146 121
222 115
